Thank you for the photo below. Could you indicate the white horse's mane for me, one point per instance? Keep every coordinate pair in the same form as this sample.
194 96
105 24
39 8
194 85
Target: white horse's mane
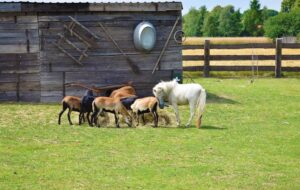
166 85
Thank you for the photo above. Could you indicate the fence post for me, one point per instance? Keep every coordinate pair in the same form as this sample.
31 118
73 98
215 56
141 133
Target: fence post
206 58
278 57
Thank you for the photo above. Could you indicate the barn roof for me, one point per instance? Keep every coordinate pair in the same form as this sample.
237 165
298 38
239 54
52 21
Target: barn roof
89 1
89 5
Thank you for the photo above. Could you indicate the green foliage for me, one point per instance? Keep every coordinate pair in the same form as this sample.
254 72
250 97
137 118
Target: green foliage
202 14
252 20
189 20
211 22
267 13
287 5
255 5
284 24
229 22
193 21
249 140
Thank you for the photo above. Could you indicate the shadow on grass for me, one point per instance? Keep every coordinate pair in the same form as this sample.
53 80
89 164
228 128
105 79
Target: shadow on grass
209 127
213 98
204 127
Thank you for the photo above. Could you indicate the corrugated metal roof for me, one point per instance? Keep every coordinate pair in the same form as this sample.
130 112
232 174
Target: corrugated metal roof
88 1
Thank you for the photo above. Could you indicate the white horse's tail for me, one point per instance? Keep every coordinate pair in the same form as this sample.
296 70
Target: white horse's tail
200 107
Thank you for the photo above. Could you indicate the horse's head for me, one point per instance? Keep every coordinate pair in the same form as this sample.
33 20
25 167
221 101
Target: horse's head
159 92
123 111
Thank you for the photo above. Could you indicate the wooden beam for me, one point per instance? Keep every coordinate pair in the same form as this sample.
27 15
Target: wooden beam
165 46
278 58
83 27
206 58
73 45
69 55
240 68
78 36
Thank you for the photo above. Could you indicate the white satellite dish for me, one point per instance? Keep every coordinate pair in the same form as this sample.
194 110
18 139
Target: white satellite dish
144 36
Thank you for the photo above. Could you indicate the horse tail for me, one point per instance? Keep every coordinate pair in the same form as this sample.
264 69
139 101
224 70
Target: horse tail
95 112
201 105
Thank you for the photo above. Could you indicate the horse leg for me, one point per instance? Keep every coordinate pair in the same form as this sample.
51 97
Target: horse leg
143 119
175 107
80 117
138 119
83 118
88 118
97 116
94 118
62 111
192 113
69 116
154 118
117 120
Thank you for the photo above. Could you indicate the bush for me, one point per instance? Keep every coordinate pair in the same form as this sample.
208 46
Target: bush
284 24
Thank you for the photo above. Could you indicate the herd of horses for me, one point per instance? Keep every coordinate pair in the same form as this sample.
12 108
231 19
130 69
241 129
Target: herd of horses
124 101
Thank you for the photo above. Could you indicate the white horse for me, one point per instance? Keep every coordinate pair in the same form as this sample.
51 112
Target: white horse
182 94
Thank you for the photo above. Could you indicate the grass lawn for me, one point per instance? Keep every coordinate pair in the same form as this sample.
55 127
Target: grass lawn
250 140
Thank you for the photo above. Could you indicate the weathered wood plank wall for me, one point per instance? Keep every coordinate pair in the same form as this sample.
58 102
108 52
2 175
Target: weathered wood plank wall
105 65
19 57
33 69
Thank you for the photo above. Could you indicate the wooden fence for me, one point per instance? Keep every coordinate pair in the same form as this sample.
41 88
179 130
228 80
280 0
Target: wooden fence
278 57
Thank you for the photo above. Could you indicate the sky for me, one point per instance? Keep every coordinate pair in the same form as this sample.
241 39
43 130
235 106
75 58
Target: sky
238 4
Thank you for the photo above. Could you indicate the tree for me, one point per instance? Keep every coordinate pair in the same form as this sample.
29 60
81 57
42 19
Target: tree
189 20
296 5
211 22
284 24
267 13
193 21
255 5
229 22
252 20
287 5
201 17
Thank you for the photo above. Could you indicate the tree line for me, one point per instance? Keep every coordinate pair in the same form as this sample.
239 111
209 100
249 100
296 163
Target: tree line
255 21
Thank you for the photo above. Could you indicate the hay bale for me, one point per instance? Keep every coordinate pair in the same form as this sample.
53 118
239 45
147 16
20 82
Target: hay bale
166 118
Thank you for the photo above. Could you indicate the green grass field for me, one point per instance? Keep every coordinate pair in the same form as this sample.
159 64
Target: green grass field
250 140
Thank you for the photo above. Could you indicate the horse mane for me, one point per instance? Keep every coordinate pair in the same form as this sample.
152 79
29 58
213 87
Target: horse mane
166 85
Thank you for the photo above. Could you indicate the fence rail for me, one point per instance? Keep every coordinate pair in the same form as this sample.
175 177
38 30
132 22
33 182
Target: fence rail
278 57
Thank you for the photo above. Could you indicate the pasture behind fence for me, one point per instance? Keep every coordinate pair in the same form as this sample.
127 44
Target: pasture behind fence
207 58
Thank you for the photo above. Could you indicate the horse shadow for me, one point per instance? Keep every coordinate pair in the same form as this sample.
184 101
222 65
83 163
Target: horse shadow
213 98
210 127
204 127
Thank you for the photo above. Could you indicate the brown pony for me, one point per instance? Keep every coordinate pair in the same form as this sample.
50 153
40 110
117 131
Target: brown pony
123 92
111 105
145 105
73 104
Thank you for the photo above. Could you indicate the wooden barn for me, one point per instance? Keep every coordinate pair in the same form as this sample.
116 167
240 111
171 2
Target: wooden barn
44 46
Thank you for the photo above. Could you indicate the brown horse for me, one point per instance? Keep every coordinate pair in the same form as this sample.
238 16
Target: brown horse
111 105
145 105
73 104
123 92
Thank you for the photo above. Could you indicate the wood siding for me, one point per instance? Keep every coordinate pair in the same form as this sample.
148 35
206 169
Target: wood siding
105 65
19 58
33 69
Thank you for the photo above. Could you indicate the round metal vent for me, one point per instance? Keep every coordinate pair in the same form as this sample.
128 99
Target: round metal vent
144 36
